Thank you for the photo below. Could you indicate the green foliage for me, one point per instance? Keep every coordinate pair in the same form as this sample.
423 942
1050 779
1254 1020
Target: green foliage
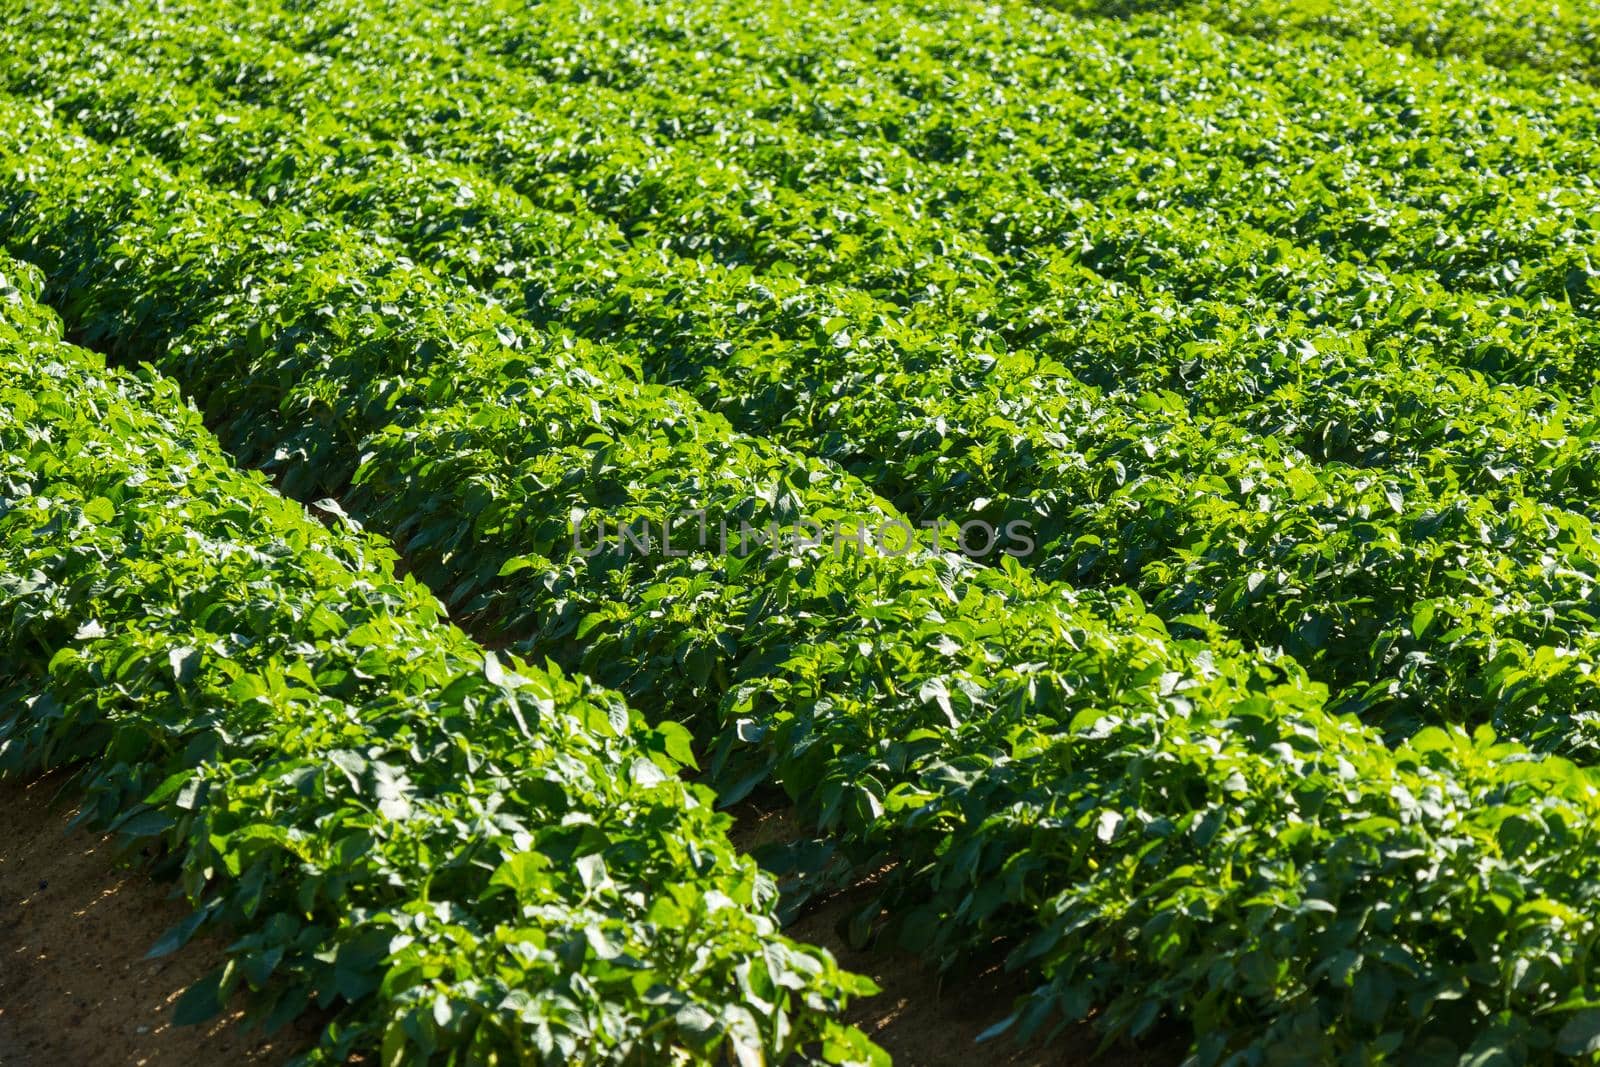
1556 37
1292 335
1306 409
468 857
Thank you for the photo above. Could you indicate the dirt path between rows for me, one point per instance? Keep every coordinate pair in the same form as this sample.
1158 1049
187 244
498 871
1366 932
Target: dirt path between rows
75 988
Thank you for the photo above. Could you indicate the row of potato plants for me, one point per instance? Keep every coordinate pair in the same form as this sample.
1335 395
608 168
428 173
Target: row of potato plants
1409 569
1532 164
457 854
676 131
1049 768
1533 159
1367 171
1561 38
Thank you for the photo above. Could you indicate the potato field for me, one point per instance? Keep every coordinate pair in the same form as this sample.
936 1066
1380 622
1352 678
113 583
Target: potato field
1110 485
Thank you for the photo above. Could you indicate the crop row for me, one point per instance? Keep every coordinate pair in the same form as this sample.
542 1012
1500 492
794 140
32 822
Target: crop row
467 854
1414 169
1384 515
1562 38
1526 149
1046 767
1391 175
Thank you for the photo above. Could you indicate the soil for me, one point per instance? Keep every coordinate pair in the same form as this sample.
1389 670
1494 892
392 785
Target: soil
75 925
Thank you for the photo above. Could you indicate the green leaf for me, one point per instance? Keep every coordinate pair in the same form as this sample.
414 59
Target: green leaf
177 936
100 511
522 873
1580 1036
202 1001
